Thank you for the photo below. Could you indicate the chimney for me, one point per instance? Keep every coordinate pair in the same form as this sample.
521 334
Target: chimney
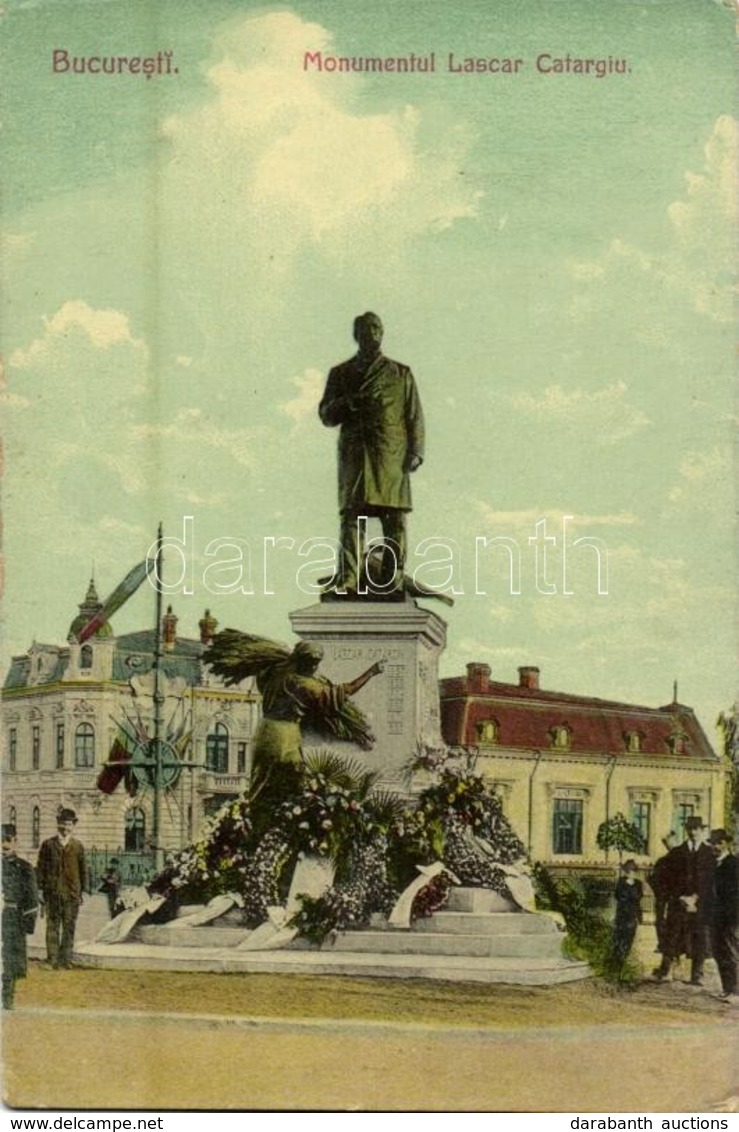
528 677
478 677
169 629
207 625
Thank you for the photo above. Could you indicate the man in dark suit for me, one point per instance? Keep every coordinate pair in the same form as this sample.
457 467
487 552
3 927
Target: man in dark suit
726 915
20 908
62 878
689 881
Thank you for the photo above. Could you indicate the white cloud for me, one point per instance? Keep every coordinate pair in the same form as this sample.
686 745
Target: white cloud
701 263
706 482
606 414
526 519
310 390
710 211
102 328
191 431
291 159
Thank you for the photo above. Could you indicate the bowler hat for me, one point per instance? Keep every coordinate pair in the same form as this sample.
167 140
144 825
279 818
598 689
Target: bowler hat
694 823
8 831
718 835
67 815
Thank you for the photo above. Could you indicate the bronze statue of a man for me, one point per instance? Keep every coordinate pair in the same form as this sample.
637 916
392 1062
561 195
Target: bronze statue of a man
375 402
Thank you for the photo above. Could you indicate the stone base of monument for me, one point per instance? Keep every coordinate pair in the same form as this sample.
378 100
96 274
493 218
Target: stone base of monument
477 938
401 704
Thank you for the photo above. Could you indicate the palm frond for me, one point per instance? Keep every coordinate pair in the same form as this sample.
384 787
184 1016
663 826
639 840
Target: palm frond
386 806
234 655
349 774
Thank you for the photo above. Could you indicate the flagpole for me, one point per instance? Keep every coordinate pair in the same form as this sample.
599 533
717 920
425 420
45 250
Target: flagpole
158 704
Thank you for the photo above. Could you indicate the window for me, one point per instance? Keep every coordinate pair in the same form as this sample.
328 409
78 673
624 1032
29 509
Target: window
567 826
36 827
59 746
487 731
677 743
683 811
12 748
561 736
84 745
86 656
633 742
13 816
216 750
135 832
241 758
36 746
641 817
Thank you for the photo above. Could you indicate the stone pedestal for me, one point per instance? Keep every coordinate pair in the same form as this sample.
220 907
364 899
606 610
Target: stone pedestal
401 704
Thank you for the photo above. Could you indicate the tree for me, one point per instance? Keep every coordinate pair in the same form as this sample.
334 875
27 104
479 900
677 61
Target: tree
620 834
728 725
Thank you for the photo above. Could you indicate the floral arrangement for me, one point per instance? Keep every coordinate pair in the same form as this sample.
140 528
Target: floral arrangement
374 839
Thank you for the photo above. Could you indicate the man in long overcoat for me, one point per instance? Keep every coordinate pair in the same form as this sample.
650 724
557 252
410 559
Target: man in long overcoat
690 883
20 908
62 878
375 402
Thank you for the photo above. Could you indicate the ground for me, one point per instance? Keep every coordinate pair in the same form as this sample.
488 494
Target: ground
152 1040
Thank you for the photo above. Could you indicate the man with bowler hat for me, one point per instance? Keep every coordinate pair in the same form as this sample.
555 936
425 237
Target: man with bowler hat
690 886
62 878
20 907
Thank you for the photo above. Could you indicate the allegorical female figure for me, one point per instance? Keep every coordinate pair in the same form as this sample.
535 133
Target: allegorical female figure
294 699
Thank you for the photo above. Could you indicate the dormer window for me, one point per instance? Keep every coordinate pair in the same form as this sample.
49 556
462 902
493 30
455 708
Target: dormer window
677 742
487 731
633 742
86 657
561 736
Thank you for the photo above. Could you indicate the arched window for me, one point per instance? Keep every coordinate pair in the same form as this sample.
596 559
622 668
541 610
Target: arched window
134 837
12 748
216 749
36 746
59 746
13 816
561 736
84 745
86 656
487 731
36 827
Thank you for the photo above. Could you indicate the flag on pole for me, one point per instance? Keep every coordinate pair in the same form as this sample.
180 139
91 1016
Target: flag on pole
119 596
119 766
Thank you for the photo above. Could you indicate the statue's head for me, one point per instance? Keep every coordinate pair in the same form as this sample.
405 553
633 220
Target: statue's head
307 656
368 331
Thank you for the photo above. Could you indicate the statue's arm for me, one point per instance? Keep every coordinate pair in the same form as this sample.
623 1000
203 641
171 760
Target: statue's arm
414 424
353 686
335 406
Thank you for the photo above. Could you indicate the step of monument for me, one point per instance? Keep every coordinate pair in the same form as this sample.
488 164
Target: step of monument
462 899
206 935
487 923
460 968
520 946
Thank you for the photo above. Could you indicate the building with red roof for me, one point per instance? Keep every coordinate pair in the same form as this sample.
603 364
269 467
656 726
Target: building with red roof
565 763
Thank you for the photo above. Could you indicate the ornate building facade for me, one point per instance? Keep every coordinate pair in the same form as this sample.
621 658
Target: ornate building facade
64 707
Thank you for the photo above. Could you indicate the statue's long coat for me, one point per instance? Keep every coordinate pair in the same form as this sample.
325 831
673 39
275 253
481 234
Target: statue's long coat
381 421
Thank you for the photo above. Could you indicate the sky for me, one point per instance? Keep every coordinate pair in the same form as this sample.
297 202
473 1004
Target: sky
552 254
